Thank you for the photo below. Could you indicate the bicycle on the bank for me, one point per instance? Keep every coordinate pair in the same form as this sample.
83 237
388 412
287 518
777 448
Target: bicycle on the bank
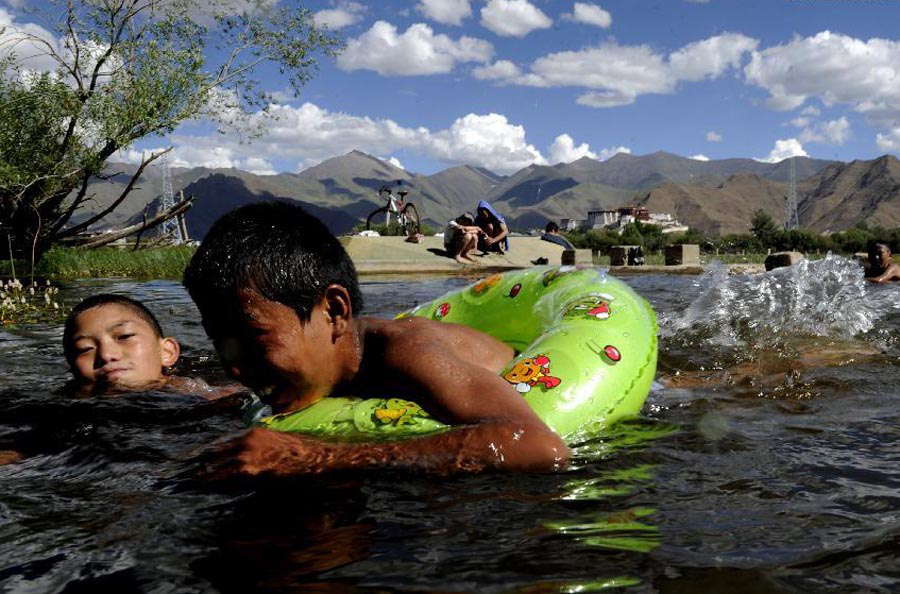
397 209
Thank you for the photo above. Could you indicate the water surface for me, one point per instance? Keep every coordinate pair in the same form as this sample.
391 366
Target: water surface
772 465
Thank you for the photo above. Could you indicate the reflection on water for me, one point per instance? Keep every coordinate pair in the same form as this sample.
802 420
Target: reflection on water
769 463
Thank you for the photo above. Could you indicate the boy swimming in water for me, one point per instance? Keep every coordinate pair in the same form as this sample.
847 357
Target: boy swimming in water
279 298
881 268
114 343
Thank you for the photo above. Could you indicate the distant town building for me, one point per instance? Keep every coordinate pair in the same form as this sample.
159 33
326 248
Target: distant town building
571 224
618 218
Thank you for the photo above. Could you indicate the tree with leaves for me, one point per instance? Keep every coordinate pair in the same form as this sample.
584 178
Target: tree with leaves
98 75
763 227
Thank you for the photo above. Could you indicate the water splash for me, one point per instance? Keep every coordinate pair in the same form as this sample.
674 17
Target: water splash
827 297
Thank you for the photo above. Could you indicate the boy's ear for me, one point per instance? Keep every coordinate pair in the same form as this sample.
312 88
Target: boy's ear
338 308
171 350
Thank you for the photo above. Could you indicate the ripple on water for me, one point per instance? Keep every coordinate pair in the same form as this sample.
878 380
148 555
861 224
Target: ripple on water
728 482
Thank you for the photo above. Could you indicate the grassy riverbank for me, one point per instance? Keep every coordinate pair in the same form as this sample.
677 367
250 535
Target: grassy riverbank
68 263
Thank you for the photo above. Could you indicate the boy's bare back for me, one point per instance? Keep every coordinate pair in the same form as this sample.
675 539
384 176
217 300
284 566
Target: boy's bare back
280 300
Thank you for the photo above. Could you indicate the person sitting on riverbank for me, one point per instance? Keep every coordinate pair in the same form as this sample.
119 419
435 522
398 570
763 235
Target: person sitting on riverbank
881 268
551 233
115 344
461 237
279 298
496 232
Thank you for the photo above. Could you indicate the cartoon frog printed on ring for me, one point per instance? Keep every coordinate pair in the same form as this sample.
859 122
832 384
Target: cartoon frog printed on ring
527 373
595 307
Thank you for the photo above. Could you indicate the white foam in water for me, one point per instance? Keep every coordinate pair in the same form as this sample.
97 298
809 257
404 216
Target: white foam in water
827 297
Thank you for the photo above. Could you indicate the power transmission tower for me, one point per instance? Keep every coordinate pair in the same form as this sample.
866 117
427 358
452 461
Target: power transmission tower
169 227
791 217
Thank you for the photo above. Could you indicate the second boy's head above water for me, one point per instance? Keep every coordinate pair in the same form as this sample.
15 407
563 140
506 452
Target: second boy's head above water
278 294
115 342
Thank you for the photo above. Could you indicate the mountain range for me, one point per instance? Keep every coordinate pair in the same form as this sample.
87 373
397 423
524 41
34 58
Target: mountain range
716 196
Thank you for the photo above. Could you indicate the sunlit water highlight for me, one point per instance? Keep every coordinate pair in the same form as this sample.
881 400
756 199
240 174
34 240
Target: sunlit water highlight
773 466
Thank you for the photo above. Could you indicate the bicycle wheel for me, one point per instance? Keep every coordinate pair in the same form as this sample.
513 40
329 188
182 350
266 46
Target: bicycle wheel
373 216
411 219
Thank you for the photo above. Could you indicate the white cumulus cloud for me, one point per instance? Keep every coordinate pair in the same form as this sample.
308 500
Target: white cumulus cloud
447 12
710 57
615 74
487 140
396 163
611 152
889 142
499 70
831 132
589 14
563 150
834 68
700 157
785 149
208 155
713 136
513 18
417 51
344 15
305 135
16 38
622 72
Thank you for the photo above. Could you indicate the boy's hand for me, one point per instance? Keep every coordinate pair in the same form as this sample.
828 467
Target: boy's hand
264 451
9 457
261 451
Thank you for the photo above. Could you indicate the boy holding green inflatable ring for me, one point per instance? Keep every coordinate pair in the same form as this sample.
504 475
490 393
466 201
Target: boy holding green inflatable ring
279 298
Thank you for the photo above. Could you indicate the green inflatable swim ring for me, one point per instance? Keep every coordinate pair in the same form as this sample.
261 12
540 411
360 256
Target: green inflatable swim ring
587 356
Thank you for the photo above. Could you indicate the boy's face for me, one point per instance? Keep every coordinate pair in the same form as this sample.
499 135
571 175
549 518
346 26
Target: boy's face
882 256
269 350
113 345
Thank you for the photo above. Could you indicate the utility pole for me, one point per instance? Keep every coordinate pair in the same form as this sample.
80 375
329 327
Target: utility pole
169 227
791 218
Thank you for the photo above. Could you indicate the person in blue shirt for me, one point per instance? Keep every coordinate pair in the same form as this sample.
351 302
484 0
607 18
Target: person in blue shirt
496 231
552 234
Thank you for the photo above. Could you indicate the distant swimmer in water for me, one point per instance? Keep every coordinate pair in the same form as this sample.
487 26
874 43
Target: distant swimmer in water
881 268
114 344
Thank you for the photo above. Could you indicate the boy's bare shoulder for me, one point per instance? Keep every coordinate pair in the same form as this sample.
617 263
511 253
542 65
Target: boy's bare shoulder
413 330
419 339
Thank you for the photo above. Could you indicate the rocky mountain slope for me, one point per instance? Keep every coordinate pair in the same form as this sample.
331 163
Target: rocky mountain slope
714 196
836 198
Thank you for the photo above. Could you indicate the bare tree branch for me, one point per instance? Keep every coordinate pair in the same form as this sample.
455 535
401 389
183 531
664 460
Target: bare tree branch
76 202
108 238
84 225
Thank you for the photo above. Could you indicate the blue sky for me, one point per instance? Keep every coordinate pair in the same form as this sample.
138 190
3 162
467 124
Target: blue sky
505 83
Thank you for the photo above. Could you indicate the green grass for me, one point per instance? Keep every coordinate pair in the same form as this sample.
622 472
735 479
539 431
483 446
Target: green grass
71 263
741 258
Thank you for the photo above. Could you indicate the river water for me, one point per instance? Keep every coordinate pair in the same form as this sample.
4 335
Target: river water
767 460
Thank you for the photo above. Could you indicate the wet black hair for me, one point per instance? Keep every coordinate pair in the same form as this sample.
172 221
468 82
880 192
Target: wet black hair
466 218
874 246
104 299
551 227
274 248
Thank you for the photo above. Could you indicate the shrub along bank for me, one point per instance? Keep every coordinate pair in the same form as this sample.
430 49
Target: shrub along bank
765 236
